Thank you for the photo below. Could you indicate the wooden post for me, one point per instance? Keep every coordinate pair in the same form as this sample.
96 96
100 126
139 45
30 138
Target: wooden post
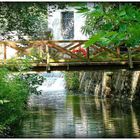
5 54
68 67
118 51
130 58
48 58
88 53
40 53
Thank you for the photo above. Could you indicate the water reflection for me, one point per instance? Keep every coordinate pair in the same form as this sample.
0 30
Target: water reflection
55 113
58 115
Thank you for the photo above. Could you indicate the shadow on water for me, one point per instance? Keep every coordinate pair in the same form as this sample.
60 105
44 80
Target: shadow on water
55 113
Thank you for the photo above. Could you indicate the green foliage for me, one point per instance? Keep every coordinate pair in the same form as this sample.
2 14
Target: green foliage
19 64
72 80
112 25
32 81
14 92
76 4
11 90
23 20
26 17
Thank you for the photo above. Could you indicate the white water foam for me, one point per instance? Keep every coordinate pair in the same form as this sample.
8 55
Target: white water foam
53 91
54 82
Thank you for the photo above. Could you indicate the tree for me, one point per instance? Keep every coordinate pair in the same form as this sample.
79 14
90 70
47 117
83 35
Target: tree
112 24
24 18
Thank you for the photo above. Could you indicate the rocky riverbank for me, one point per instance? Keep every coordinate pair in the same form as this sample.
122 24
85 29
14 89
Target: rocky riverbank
122 85
119 85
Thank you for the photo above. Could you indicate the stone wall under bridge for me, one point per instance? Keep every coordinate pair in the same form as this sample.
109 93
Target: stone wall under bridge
119 85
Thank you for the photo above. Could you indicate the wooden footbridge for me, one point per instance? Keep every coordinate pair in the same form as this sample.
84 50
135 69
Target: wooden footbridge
50 55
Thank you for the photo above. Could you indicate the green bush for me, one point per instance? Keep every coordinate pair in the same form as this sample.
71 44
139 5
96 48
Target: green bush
14 92
72 80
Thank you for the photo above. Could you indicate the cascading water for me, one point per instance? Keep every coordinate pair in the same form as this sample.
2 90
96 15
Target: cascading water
54 82
53 90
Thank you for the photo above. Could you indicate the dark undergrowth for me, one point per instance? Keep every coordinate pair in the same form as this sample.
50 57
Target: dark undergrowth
72 80
14 93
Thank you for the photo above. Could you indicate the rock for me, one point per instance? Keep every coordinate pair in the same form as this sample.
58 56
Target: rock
118 85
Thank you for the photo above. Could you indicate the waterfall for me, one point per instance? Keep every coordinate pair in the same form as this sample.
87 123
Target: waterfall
54 81
53 91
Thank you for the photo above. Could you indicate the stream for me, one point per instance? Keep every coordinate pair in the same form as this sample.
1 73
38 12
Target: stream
56 113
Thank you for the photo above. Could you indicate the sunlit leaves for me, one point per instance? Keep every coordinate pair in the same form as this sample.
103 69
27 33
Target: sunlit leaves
94 39
82 9
119 23
134 34
105 38
25 17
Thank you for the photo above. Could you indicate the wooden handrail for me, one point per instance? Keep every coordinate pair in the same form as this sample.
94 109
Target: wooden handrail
64 47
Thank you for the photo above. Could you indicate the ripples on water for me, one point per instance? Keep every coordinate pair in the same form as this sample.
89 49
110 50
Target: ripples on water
55 113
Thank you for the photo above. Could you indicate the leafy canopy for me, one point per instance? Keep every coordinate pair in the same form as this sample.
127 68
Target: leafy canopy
112 24
21 16
26 18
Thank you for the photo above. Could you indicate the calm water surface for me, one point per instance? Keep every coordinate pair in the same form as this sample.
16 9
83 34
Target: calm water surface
58 114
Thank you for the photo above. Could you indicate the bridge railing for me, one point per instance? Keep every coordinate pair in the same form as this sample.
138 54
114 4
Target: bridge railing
61 51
